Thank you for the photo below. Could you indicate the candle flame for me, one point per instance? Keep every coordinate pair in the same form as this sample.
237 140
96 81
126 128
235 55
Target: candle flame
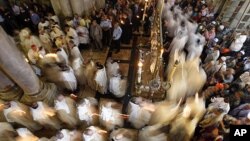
124 116
102 131
73 95
49 113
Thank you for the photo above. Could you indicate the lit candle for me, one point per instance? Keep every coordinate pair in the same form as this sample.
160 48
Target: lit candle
139 71
162 50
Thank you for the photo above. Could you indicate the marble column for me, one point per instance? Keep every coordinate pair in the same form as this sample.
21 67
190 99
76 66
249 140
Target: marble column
8 89
14 65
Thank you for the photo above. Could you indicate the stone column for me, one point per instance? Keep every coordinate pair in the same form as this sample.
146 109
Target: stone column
66 8
56 7
99 4
8 89
14 65
62 7
77 6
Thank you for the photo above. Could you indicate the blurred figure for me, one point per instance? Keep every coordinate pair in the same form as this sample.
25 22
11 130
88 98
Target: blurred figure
152 133
117 33
88 112
7 132
46 40
118 85
96 35
35 54
45 115
106 25
110 114
19 113
160 116
83 35
123 134
101 79
27 40
71 34
112 68
25 135
139 114
93 133
35 20
66 111
43 24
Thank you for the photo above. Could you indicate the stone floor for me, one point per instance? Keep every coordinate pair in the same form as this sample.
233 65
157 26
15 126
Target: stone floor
96 55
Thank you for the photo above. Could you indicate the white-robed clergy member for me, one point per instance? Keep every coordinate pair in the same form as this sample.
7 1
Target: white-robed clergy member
7 132
16 112
161 116
112 68
139 111
118 85
88 111
74 52
43 24
66 111
35 53
152 133
94 133
182 129
90 71
27 40
46 40
71 34
238 42
62 56
83 35
123 134
68 78
101 79
58 72
45 115
56 32
25 135
110 114
64 135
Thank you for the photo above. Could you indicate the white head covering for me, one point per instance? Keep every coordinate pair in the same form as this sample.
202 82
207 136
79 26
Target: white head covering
216 40
223 58
221 27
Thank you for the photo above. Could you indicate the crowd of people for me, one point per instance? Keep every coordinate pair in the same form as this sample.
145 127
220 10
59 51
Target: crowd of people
225 59
53 48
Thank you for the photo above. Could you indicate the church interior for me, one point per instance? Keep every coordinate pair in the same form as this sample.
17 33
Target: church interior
123 70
